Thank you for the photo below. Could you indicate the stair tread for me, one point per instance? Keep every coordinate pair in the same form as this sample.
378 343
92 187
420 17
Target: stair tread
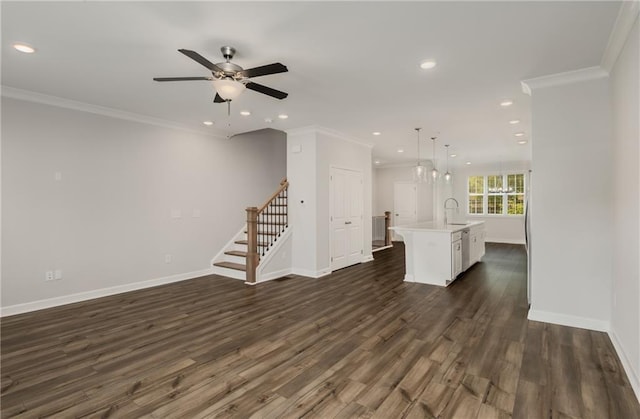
231 265
265 233
236 253
246 242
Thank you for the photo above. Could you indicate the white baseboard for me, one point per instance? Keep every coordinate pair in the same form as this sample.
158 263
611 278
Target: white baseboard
272 275
568 320
309 273
409 278
368 258
381 248
103 292
631 374
506 241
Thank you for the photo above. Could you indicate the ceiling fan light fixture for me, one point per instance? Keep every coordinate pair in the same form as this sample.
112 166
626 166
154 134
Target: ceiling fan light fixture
227 88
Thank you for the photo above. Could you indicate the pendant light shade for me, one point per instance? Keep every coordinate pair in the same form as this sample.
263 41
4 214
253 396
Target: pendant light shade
434 171
419 171
447 175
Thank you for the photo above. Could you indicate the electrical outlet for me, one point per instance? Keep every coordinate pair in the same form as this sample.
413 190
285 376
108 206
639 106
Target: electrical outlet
57 274
167 258
48 276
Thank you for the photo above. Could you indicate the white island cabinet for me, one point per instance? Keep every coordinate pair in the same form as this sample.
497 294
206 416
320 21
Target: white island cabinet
437 253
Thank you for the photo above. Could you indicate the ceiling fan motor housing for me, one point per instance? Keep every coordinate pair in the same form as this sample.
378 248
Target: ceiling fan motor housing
230 70
228 52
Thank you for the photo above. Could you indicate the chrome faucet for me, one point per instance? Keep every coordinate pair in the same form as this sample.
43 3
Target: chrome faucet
457 207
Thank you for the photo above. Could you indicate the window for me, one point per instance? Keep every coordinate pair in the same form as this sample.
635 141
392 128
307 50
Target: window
476 194
496 194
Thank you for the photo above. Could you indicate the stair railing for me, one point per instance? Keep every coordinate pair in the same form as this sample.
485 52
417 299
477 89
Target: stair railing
266 223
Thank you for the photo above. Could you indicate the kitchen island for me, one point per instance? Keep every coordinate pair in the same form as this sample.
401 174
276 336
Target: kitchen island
436 253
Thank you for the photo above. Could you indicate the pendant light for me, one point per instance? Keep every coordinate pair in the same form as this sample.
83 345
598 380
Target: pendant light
419 171
434 171
447 175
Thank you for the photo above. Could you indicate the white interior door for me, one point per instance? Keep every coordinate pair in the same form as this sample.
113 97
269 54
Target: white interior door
346 218
405 204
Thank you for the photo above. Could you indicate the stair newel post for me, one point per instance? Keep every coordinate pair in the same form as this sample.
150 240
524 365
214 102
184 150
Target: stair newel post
252 243
387 224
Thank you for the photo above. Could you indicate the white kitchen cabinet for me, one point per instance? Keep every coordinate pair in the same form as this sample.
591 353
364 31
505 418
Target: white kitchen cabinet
437 253
456 258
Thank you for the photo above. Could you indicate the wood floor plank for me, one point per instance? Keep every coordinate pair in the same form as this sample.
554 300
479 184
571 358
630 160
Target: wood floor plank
358 343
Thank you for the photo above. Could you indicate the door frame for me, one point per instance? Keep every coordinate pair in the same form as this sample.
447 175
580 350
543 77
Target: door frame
348 169
404 182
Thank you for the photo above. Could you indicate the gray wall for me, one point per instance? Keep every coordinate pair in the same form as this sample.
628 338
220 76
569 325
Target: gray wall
625 319
571 208
110 219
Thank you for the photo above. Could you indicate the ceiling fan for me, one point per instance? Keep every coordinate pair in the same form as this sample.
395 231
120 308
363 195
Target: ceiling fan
230 79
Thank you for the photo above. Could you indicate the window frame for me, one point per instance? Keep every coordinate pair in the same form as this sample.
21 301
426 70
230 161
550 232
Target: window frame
505 194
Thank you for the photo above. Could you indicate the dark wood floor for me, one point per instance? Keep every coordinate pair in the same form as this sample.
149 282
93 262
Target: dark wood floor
358 343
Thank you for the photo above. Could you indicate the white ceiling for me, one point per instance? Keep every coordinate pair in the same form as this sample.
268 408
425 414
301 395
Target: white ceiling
353 66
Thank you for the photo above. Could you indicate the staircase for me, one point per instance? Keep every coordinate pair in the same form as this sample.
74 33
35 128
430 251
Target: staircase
265 225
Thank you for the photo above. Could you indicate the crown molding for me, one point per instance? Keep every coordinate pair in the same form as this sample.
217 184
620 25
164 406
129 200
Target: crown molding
30 96
313 129
569 77
427 163
627 17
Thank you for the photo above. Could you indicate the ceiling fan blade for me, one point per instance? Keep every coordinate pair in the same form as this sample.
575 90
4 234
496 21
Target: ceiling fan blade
200 59
266 90
181 78
264 70
218 99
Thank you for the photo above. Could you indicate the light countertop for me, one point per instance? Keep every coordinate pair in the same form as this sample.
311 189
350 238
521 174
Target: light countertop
435 227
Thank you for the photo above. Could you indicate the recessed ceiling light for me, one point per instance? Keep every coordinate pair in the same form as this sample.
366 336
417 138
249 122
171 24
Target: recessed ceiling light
514 121
283 116
377 162
453 155
506 102
427 64
400 150
468 163
245 113
376 133
27 49
519 134
208 123
522 142
268 120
